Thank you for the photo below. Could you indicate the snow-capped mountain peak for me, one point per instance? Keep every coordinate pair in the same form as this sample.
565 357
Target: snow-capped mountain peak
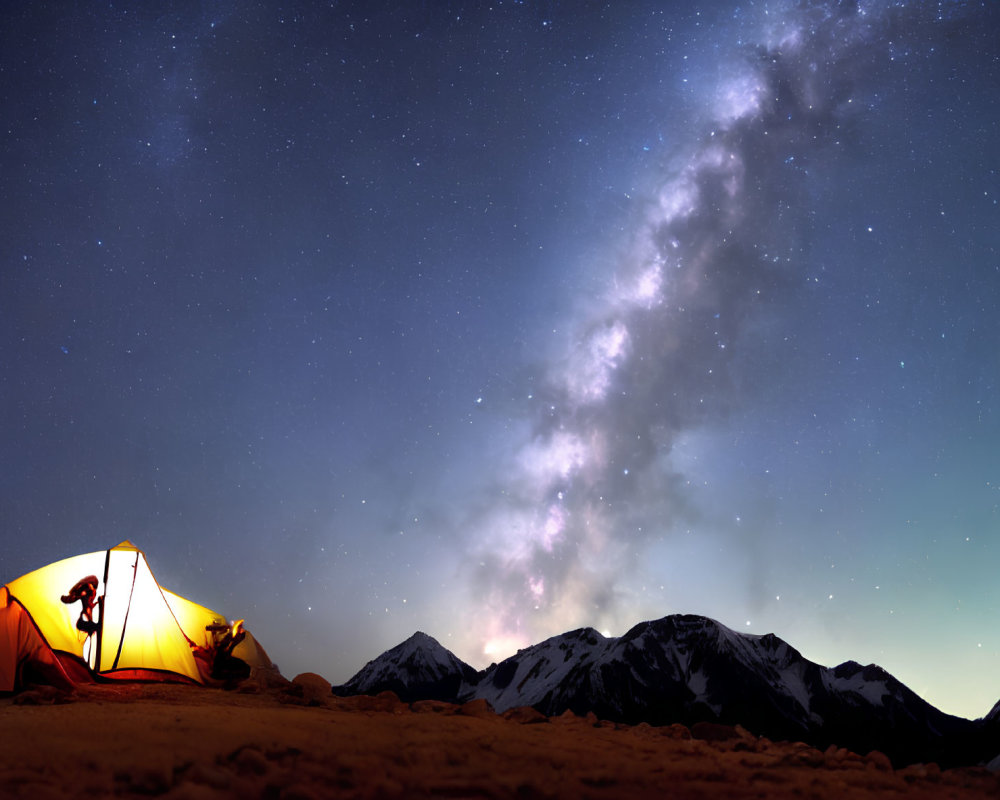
418 668
535 673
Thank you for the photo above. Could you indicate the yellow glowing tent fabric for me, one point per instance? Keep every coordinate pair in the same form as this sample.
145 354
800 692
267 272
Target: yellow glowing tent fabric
143 632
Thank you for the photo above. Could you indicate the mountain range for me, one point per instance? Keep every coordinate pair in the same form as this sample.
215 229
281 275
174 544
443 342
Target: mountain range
689 669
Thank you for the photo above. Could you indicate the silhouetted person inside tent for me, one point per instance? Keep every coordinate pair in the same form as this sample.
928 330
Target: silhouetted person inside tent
85 591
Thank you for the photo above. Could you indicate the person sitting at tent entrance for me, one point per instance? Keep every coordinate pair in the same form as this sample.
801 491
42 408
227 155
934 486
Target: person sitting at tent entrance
225 665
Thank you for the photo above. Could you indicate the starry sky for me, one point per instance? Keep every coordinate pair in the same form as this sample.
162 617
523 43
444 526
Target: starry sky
495 320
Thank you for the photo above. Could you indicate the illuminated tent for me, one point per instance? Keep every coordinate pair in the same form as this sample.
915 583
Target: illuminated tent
134 630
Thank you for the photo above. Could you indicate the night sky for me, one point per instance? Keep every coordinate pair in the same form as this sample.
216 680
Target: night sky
498 320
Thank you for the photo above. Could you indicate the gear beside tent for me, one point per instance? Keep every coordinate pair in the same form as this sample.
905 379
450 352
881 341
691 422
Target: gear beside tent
103 615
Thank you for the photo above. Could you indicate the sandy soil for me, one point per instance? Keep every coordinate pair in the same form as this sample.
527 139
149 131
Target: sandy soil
191 742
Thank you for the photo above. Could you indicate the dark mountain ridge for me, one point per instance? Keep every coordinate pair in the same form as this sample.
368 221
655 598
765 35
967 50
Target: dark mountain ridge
688 669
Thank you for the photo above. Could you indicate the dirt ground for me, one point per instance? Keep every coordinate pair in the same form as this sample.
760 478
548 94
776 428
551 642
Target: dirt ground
155 740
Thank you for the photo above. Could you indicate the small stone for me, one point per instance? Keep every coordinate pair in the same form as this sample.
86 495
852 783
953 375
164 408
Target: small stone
677 731
313 686
806 757
921 772
207 775
147 780
250 760
432 707
879 761
386 702
479 708
525 715
42 696
835 755
713 732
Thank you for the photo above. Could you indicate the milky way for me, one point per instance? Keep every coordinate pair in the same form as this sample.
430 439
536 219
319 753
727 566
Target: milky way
651 359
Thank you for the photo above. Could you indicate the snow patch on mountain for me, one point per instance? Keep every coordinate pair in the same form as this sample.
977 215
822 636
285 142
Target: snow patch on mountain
869 683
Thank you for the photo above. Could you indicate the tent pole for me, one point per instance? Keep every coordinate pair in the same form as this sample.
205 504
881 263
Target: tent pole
100 606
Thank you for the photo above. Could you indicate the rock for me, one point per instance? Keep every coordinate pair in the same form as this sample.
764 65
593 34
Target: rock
432 707
478 708
314 687
208 775
834 755
43 696
525 715
677 731
263 679
385 702
920 772
249 761
805 757
879 761
150 779
713 732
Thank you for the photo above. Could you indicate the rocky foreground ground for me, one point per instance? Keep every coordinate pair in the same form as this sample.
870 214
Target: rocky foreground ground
300 742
